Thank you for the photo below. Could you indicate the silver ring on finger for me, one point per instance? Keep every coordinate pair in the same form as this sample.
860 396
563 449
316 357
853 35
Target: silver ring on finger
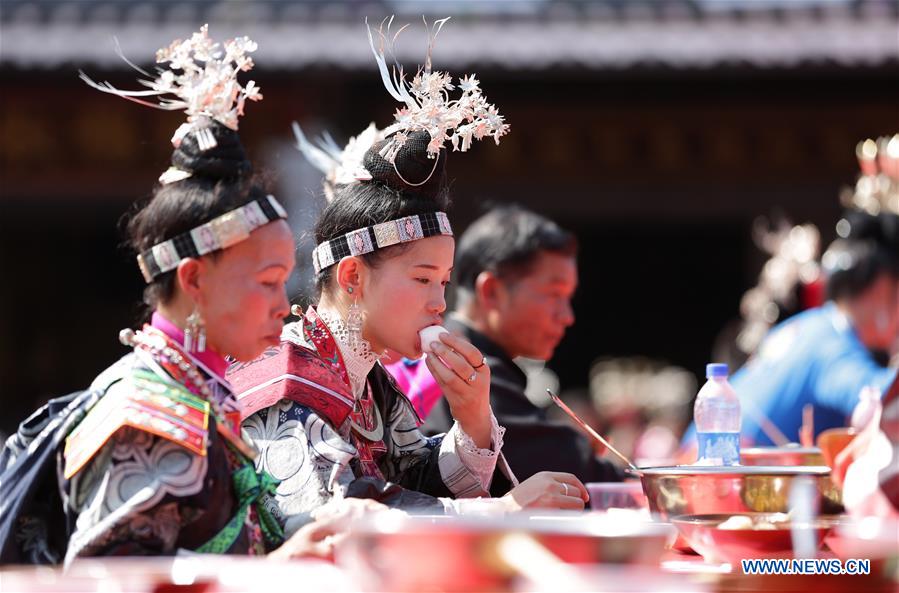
483 362
474 375
566 488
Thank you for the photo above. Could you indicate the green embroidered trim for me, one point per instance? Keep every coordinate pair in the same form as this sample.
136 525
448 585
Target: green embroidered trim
138 382
149 382
250 487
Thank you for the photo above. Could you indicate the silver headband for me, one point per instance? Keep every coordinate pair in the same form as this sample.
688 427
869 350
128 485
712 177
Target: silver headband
219 233
367 239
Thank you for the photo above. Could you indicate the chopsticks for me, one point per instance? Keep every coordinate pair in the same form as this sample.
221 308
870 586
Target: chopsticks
807 430
590 431
769 428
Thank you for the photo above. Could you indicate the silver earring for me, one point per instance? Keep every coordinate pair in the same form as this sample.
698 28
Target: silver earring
195 333
354 323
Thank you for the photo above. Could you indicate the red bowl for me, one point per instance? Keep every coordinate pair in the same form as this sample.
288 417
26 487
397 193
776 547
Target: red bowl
834 440
703 534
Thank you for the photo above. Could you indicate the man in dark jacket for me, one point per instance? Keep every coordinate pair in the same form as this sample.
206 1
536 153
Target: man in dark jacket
516 272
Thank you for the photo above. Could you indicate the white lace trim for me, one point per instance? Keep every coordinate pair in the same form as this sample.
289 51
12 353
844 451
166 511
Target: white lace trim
480 462
358 362
467 444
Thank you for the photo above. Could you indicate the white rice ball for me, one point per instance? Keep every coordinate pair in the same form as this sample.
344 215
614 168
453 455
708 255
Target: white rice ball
431 334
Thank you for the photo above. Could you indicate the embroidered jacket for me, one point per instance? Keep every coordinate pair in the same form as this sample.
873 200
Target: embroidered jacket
148 472
312 434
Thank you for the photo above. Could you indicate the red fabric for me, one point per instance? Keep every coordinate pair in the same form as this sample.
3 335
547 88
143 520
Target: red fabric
318 333
291 359
813 294
362 414
316 379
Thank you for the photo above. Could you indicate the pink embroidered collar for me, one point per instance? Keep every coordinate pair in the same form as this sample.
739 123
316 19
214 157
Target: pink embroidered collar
213 361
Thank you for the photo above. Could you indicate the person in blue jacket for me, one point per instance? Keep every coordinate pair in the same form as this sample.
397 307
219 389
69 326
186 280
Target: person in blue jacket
826 355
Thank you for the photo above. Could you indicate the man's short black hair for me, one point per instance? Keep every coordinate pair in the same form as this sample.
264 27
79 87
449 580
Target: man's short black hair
506 241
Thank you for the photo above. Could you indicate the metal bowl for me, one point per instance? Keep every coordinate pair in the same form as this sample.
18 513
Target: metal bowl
766 535
398 552
775 456
691 490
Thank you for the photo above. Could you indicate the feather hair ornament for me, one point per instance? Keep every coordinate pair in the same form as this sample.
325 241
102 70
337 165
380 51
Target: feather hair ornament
427 104
340 166
200 79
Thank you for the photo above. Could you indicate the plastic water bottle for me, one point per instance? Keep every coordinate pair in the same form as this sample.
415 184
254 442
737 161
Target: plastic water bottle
717 417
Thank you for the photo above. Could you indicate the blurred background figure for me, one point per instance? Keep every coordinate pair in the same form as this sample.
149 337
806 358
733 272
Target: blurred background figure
827 355
642 406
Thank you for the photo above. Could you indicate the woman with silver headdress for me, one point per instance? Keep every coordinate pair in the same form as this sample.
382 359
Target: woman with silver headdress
328 419
150 457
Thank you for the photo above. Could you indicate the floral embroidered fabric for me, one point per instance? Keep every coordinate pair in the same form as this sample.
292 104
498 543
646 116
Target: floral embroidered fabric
317 461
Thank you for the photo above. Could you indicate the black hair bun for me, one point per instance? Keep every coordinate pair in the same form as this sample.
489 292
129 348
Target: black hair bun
412 171
889 229
227 159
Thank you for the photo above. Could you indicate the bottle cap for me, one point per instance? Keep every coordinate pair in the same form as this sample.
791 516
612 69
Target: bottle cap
716 369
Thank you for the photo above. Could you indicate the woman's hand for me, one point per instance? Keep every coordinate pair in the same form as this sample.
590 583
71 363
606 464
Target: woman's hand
328 528
547 490
460 371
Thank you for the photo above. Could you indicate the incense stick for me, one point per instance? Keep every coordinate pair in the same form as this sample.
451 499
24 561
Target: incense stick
589 430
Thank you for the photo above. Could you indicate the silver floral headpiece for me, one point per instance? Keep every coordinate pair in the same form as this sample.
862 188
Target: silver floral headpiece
201 80
427 104
794 251
877 188
340 166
